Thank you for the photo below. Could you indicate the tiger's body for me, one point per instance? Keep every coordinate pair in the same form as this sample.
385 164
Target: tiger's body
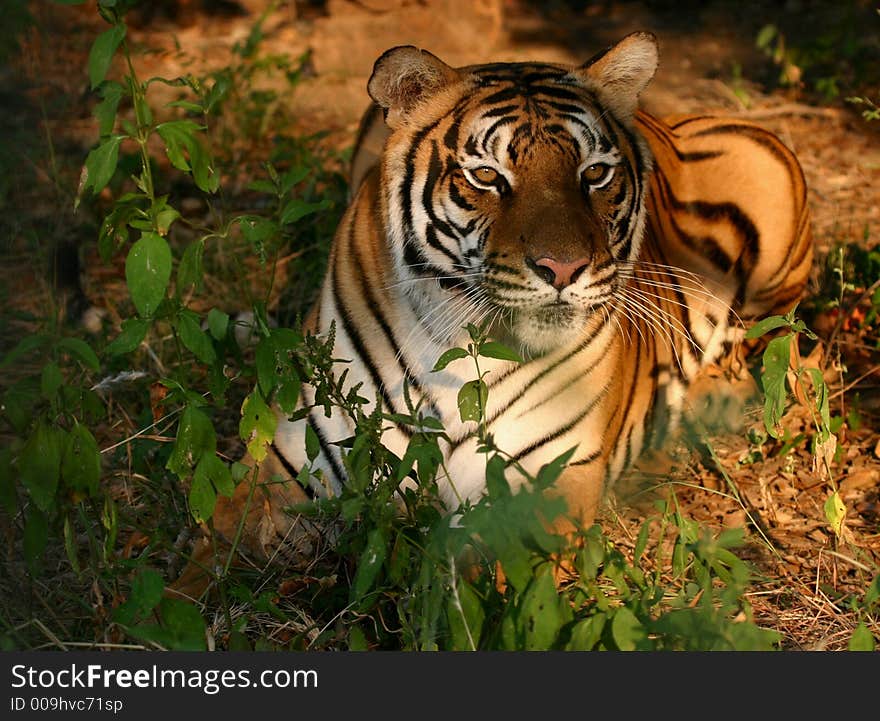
523 196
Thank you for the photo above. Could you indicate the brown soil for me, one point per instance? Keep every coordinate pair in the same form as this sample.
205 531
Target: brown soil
806 570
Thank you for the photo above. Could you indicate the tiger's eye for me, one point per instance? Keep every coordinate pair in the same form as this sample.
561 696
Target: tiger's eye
596 173
485 175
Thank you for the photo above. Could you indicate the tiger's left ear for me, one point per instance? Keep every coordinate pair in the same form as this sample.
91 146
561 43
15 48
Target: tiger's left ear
405 76
620 74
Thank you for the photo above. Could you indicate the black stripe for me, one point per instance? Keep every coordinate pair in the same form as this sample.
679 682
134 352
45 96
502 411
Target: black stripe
705 246
501 110
355 339
292 472
500 123
556 91
559 432
561 388
326 449
757 135
409 174
692 119
594 456
450 137
374 307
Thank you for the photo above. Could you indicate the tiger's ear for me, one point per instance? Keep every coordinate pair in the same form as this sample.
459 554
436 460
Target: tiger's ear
405 76
619 74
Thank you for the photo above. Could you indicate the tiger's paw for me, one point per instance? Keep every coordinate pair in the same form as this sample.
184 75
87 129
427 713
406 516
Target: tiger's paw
719 398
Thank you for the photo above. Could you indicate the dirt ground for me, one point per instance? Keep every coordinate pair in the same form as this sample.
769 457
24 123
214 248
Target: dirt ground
709 63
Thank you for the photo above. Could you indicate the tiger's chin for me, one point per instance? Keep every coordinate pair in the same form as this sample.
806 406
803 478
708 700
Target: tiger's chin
546 328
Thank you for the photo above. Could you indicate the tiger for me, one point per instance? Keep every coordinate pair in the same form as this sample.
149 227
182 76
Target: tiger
619 254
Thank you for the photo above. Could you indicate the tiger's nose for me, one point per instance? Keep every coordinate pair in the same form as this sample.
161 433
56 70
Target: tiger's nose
557 273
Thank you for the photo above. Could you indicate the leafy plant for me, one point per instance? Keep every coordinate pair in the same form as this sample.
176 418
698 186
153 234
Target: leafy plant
829 53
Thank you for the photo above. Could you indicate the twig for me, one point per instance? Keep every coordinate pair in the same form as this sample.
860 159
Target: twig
51 636
141 432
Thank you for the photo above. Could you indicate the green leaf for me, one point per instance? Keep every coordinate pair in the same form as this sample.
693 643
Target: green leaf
586 634
266 361
257 425
293 176
101 164
821 391
765 36
212 476
36 537
181 140
447 358
641 542
287 396
540 615
776 362
80 350
182 627
766 325
313 444
262 186
218 323
134 330
369 564
18 404
186 105
256 230
26 345
551 471
202 169
190 271
39 464
164 219
628 632
146 591
81 462
496 479
8 499
466 616
50 380
472 399
835 512
147 272
101 53
195 437
861 640
179 135
105 111
194 338
492 349
423 451
239 471
202 496
218 91
297 209
401 559
357 641
872 595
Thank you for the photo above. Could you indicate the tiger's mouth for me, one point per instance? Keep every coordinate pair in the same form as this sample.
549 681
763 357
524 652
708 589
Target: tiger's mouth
558 313
544 328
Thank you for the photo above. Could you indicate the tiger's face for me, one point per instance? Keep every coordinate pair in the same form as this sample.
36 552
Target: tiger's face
517 188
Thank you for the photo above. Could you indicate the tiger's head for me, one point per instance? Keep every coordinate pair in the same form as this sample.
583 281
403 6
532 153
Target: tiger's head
518 188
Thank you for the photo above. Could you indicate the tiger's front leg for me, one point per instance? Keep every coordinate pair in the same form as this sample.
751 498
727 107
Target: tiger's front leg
258 525
582 487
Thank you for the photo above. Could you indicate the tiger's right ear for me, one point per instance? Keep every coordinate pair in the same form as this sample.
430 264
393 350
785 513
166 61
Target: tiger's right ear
405 76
